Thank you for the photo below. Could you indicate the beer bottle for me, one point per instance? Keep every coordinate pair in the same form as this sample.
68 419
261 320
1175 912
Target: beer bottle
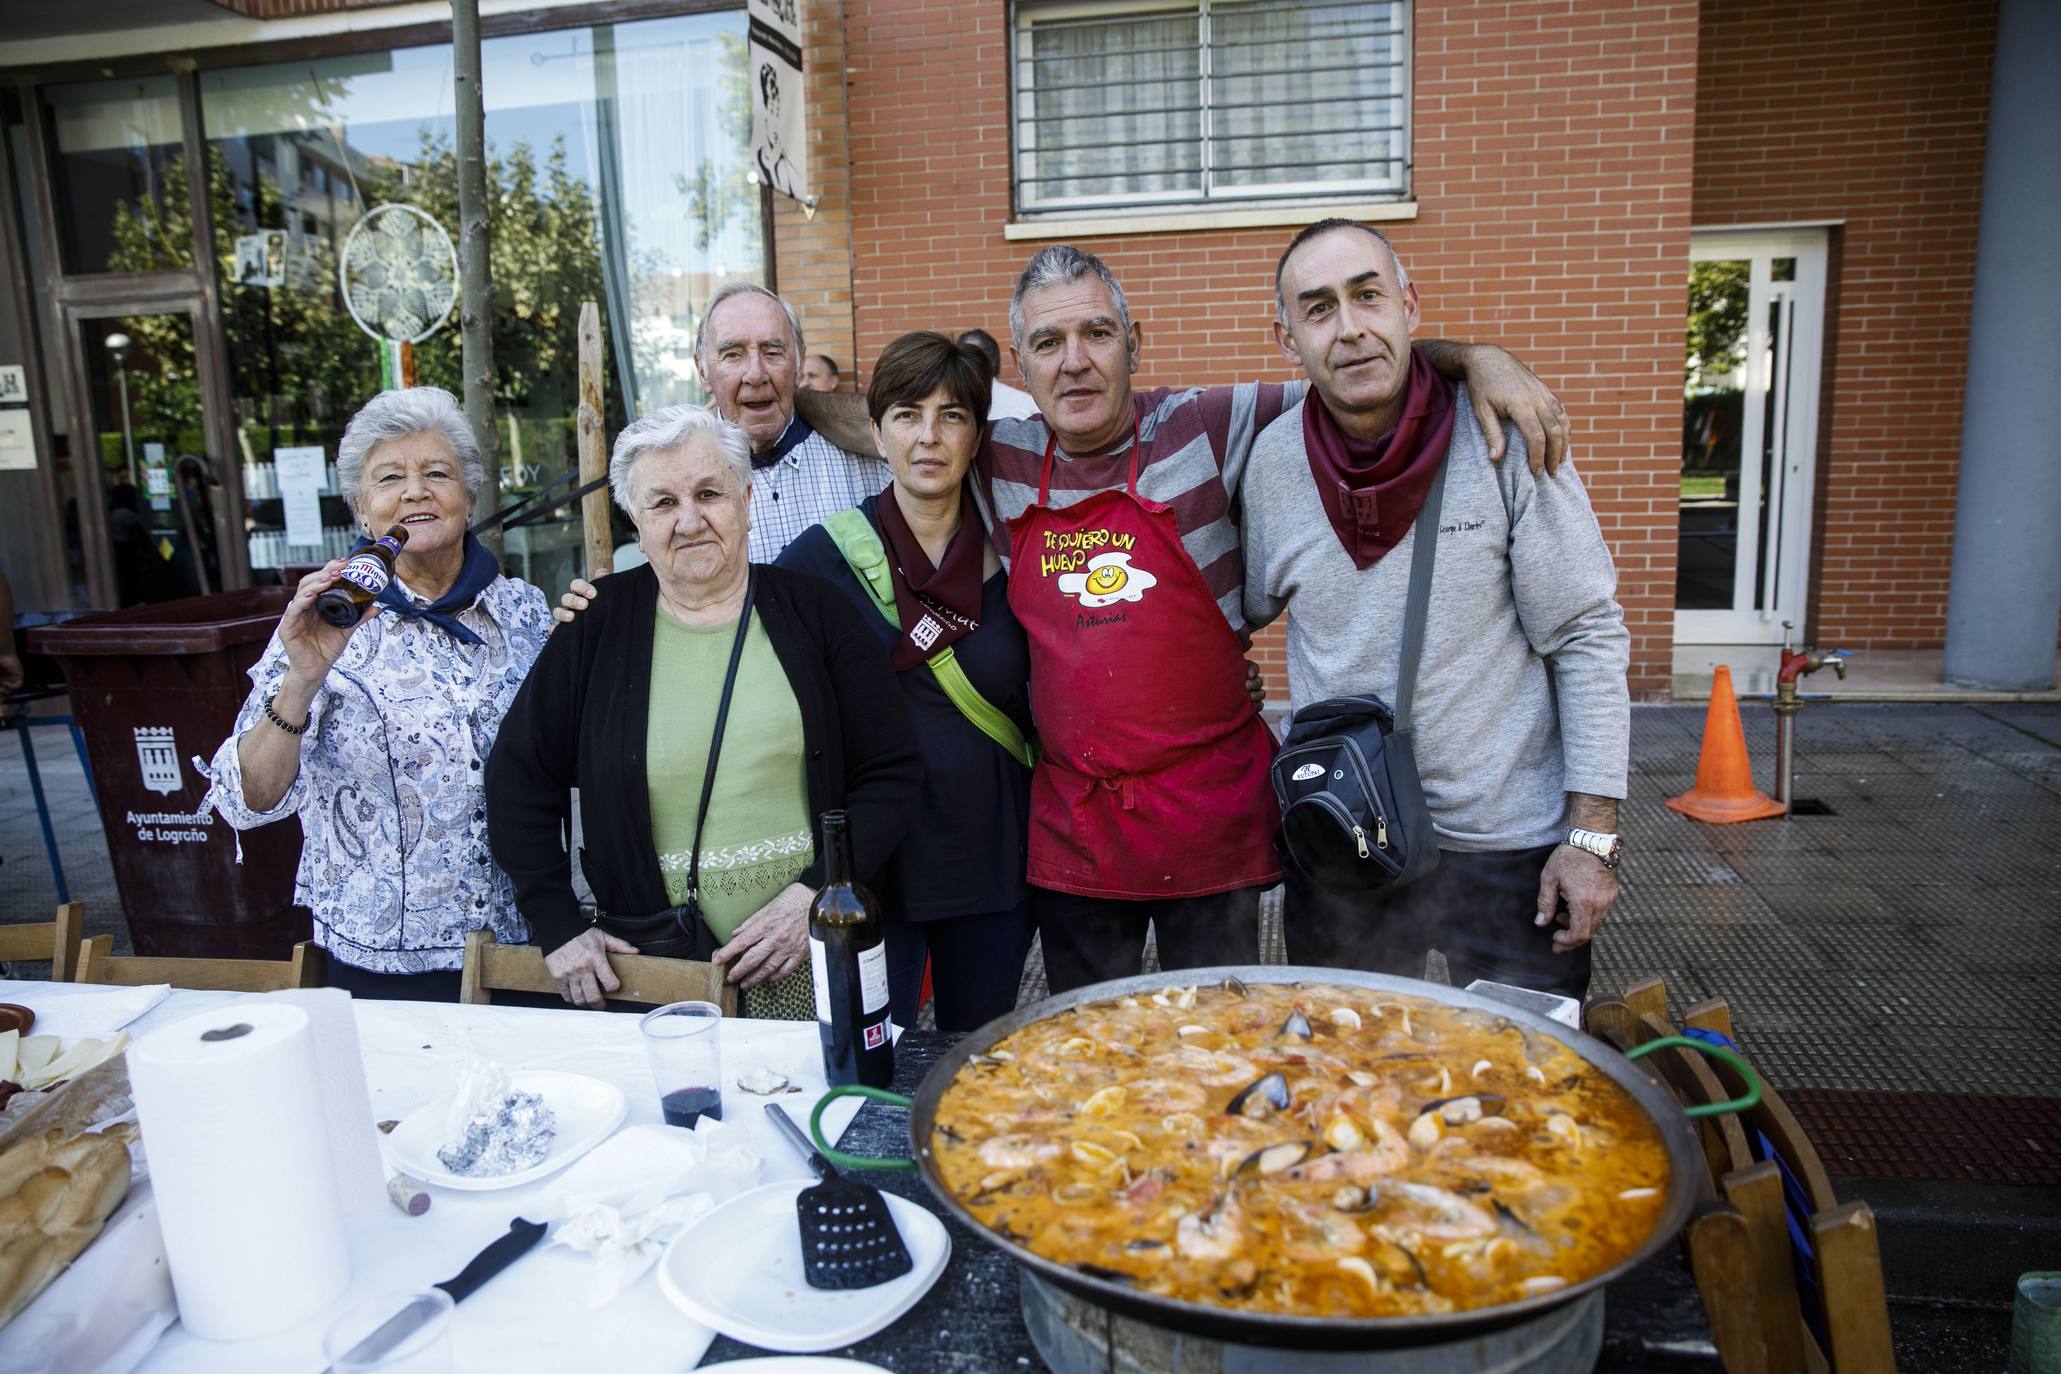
849 961
361 580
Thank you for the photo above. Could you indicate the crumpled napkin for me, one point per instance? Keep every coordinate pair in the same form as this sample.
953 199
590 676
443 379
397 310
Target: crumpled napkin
632 1195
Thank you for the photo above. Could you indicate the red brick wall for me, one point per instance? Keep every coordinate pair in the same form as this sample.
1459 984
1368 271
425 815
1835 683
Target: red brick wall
1553 145
812 257
1871 112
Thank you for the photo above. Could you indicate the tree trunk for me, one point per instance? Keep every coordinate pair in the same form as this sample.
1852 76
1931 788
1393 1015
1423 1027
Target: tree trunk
475 270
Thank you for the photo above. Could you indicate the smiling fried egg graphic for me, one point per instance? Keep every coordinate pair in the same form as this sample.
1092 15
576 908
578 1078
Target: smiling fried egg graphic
1110 578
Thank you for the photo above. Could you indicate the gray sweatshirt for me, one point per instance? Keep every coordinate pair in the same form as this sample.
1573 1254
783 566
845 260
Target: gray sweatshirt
1521 694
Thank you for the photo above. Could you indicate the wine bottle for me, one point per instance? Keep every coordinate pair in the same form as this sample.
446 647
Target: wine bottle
849 960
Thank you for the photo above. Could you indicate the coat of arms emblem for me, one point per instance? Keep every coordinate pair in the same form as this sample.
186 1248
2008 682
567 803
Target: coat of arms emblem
159 757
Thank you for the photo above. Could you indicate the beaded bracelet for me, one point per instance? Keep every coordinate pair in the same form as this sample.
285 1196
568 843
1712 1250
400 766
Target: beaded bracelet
273 716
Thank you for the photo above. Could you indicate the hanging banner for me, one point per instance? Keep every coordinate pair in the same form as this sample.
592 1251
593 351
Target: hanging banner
779 117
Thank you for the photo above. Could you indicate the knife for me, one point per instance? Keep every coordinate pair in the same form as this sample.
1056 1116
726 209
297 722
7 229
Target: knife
522 1235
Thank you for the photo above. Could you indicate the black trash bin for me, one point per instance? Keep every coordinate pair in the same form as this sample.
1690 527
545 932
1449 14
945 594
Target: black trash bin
151 687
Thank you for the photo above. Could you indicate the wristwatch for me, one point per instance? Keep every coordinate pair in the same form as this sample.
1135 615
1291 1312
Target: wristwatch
1608 848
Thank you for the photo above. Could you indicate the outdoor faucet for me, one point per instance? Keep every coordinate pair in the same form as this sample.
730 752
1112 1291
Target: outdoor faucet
1800 663
1796 664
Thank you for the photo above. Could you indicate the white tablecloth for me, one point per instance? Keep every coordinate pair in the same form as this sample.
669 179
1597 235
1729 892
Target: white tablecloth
533 1316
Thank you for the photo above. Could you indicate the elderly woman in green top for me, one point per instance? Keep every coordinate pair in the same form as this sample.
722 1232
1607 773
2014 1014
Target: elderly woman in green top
707 710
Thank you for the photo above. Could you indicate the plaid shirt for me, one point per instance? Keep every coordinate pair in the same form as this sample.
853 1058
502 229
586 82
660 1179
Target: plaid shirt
808 480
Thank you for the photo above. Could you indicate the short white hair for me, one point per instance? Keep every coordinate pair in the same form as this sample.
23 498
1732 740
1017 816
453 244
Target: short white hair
395 415
674 427
704 341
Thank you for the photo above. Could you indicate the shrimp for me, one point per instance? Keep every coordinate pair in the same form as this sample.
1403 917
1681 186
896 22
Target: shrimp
1166 1096
1215 1233
1213 1068
1389 1154
1318 1233
1515 1174
1354 1166
1018 1151
1435 1213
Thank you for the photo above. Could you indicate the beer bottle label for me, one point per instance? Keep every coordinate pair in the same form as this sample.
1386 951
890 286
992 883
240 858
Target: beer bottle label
873 979
819 966
365 572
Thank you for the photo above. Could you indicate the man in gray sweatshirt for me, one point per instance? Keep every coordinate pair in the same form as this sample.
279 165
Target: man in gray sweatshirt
1522 718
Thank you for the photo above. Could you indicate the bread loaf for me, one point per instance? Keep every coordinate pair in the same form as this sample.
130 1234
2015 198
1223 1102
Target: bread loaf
56 1191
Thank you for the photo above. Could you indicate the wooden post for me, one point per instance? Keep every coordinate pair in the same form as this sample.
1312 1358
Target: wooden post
1757 1194
1850 1277
1721 1257
475 269
600 540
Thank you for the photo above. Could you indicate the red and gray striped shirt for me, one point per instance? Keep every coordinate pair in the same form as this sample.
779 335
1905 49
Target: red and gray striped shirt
1196 444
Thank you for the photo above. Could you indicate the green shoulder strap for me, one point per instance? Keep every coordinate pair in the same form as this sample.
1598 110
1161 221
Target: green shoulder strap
860 544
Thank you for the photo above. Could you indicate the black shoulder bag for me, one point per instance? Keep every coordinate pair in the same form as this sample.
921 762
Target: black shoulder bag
680 932
1353 816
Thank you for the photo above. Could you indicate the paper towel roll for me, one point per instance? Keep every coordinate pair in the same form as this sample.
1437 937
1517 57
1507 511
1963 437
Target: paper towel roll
240 1159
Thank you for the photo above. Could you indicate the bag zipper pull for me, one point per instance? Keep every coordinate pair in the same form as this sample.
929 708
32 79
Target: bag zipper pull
1380 832
1361 836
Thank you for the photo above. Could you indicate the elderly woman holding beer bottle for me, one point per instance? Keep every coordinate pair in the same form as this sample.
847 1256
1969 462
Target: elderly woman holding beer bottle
708 711
371 715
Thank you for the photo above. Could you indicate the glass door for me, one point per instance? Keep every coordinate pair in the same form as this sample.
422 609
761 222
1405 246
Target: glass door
1749 429
144 512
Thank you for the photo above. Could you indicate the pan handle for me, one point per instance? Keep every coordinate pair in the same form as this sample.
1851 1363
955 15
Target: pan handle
839 1157
1738 1066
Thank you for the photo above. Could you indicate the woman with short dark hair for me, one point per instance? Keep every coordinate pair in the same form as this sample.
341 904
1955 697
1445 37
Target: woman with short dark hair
918 563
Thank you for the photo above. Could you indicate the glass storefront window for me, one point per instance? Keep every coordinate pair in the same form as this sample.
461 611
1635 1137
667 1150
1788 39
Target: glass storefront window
617 158
118 175
143 397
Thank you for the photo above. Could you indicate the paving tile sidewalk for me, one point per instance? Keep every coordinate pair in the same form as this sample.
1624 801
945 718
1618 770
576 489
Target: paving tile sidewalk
1908 942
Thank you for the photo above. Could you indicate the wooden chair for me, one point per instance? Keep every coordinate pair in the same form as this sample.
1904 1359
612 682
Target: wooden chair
1790 1277
491 966
57 941
98 964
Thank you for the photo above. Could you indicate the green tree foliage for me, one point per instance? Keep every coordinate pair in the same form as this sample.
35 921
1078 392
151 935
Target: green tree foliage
1716 342
715 196
299 366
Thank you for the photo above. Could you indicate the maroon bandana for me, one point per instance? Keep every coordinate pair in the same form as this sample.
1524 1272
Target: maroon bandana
938 605
1373 491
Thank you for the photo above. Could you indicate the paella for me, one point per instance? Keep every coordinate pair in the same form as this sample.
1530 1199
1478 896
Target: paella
1312 1149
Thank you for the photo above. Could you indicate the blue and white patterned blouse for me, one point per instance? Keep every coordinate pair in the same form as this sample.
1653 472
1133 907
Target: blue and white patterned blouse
394 860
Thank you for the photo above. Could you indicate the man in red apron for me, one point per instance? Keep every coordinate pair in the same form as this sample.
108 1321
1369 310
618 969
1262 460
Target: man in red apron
1150 806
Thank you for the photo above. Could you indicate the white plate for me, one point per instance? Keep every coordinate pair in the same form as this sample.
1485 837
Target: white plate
800 1364
739 1270
588 1111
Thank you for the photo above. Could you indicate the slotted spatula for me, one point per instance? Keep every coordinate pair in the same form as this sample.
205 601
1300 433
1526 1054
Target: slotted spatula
848 1237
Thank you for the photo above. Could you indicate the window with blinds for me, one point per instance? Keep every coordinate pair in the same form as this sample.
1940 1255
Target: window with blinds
1128 102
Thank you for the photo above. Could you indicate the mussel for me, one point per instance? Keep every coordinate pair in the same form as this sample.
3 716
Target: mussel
1235 985
1490 1104
1272 1159
1103 1272
1296 1024
1409 1271
1261 1098
1353 1198
1237 1278
1511 1218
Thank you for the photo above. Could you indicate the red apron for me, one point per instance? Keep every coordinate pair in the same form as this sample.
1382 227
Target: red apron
1153 780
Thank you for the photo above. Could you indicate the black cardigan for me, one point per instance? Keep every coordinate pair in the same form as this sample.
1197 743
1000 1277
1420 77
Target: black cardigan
580 721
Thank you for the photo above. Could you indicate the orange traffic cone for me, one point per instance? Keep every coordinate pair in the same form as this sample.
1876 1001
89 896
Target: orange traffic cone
1724 790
